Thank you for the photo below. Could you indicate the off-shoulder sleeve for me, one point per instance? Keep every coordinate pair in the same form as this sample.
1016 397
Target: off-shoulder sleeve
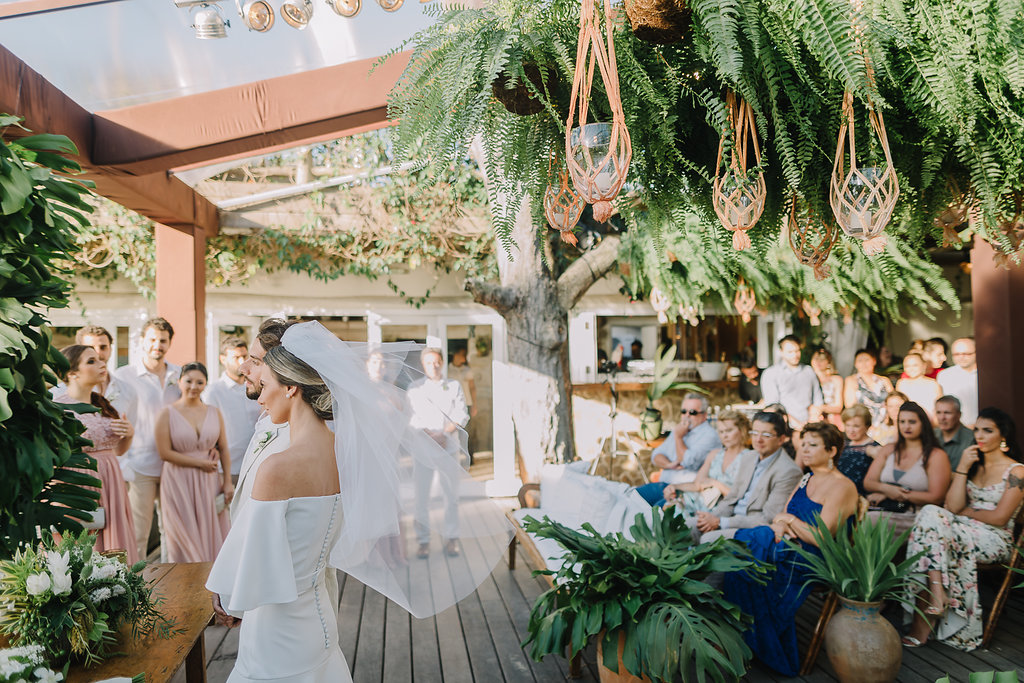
254 566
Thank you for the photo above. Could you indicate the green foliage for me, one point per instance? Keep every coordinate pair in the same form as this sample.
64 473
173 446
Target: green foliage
665 376
41 208
649 587
860 565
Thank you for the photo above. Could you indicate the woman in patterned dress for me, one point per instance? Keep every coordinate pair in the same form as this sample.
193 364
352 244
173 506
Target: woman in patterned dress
111 435
867 388
975 525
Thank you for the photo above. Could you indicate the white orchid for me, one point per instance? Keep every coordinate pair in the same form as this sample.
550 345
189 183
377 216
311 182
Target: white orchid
37 584
44 675
62 583
58 563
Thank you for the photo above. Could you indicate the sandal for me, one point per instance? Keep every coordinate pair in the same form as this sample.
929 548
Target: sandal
939 609
910 641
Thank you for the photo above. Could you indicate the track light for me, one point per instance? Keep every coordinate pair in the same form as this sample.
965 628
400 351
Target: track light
345 8
257 15
209 23
297 13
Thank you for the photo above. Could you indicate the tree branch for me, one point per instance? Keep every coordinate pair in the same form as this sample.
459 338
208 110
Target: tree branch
501 299
587 270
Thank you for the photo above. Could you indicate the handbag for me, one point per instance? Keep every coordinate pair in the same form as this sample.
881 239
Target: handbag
98 521
890 505
710 496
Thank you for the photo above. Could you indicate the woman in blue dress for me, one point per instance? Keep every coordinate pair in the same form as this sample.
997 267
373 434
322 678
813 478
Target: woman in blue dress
823 491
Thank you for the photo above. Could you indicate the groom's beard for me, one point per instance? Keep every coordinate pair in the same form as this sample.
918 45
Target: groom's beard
251 391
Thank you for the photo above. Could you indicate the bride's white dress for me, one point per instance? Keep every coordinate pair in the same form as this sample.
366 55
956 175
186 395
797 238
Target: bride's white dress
271 572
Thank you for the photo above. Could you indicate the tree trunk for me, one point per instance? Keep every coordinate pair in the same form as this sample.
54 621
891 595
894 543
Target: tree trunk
535 305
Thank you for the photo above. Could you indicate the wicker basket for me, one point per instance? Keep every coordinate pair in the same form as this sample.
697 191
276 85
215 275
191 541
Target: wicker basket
659 21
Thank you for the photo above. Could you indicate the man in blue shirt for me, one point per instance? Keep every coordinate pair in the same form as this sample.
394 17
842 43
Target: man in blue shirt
790 383
686 448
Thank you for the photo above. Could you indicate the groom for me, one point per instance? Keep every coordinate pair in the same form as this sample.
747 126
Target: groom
269 438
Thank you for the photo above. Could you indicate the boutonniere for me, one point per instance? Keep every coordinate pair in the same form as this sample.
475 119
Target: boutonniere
264 440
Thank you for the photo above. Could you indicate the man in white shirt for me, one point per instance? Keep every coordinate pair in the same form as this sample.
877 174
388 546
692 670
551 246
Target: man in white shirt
439 409
791 383
155 383
961 380
228 393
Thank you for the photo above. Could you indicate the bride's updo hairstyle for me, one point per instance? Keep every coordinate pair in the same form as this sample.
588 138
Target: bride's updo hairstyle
292 372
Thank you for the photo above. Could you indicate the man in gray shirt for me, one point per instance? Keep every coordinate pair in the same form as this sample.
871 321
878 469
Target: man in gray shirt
953 436
792 384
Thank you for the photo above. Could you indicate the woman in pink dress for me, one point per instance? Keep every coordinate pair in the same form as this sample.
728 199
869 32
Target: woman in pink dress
111 435
191 440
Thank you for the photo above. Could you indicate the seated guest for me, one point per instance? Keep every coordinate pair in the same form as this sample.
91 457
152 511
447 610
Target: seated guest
761 486
934 354
831 388
975 525
790 383
867 388
919 388
886 432
953 436
909 474
684 451
791 444
856 458
961 380
715 478
750 380
824 492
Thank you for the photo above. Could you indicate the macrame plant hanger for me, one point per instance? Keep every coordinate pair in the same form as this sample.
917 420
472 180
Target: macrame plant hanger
811 238
863 199
738 199
745 301
954 215
597 154
562 206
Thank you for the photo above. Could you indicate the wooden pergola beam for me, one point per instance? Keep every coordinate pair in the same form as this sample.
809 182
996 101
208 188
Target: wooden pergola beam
262 116
163 198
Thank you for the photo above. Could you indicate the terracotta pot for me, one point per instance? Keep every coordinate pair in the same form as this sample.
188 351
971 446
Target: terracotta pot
659 21
650 424
606 675
862 645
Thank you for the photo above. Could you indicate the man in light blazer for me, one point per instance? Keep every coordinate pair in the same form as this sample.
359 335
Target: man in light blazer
763 483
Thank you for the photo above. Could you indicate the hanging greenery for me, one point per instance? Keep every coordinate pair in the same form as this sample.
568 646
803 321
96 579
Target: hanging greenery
41 208
949 76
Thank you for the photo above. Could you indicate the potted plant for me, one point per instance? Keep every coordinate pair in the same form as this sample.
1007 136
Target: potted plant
644 594
860 569
651 423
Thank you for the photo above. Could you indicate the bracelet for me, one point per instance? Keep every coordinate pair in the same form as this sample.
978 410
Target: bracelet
959 472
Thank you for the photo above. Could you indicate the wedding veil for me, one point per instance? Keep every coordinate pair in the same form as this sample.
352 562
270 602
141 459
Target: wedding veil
380 456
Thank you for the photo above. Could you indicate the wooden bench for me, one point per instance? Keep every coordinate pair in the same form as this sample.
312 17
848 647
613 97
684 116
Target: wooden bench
187 602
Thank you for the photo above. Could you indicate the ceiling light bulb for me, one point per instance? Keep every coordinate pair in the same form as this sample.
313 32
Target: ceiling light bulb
346 8
209 23
258 15
297 13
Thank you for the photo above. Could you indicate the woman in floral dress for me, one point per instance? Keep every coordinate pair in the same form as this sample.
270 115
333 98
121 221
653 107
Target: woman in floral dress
976 525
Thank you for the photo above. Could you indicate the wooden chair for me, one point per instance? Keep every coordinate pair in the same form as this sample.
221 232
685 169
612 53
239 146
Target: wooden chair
828 608
1004 587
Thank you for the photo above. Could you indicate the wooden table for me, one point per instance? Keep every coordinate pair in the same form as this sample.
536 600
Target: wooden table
188 603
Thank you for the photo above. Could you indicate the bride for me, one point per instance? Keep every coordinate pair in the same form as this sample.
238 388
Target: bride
338 499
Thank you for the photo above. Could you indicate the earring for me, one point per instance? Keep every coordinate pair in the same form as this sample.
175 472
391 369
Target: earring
831 464
1003 447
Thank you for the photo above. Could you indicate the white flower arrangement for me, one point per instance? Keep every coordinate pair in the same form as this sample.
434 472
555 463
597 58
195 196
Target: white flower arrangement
26 664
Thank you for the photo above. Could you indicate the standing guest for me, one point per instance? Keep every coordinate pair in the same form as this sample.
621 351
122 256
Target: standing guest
683 453
824 492
119 393
856 458
761 486
920 389
909 474
792 384
715 477
975 525
867 388
192 441
228 395
953 436
460 371
887 432
750 380
111 435
935 350
636 350
155 382
439 409
831 388
961 380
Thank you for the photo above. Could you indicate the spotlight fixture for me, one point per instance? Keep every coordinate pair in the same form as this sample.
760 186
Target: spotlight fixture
345 8
257 15
209 23
297 13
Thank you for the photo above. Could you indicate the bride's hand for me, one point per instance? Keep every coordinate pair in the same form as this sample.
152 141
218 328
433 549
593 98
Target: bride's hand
222 618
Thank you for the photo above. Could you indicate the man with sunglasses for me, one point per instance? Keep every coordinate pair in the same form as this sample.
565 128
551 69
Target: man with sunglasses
686 448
